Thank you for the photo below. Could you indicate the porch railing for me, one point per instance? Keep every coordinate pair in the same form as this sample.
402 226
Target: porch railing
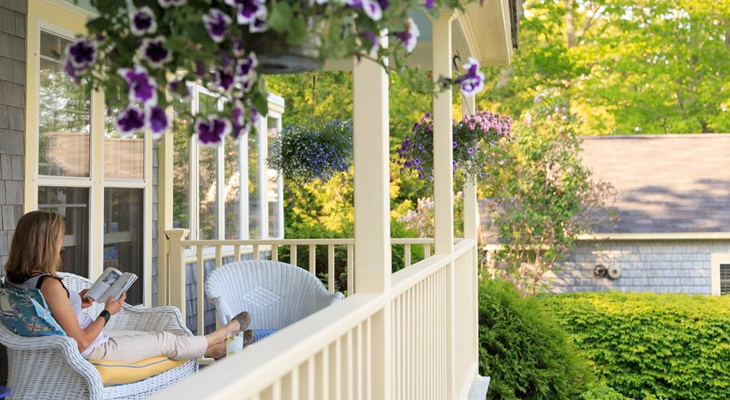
423 330
172 282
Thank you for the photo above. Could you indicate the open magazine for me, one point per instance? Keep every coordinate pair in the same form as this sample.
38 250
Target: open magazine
111 283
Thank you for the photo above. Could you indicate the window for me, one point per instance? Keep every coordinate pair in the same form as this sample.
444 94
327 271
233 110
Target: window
232 181
99 182
720 273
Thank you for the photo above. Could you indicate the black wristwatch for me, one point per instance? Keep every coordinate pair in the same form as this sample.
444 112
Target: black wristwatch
106 315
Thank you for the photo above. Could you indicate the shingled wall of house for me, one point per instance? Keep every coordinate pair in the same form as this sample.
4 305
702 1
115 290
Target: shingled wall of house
13 15
646 266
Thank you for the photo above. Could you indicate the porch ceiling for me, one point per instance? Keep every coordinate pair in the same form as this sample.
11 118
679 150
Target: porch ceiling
481 31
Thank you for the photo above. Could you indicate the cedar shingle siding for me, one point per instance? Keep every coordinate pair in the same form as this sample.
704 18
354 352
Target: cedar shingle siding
13 15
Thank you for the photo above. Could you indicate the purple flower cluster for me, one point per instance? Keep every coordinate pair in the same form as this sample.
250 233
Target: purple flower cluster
473 136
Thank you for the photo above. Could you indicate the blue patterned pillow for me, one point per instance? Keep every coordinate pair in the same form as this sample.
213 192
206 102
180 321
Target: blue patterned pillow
25 312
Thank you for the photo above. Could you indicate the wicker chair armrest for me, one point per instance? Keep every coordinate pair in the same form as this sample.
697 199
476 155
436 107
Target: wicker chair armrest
165 318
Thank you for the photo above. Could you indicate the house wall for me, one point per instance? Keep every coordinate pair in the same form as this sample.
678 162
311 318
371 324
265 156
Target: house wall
13 14
647 266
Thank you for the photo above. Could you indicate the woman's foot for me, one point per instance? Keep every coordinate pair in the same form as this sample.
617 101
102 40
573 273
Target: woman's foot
248 337
244 320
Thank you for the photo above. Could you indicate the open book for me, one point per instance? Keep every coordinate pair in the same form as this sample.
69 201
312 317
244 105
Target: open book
111 283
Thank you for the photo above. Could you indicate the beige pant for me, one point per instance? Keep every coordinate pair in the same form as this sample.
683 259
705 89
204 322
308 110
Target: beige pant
132 346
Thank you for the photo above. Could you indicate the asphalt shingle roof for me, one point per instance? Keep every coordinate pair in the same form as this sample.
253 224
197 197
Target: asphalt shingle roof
665 183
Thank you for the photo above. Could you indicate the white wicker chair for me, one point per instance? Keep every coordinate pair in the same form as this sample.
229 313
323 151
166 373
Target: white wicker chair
51 367
276 294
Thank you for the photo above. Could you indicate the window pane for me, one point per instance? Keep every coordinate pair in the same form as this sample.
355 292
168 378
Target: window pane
123 156
64 123
73 205
207 183
254 209
232 189
123 236
181 164
272 191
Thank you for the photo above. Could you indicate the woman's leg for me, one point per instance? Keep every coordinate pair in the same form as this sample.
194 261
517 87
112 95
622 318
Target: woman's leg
133 346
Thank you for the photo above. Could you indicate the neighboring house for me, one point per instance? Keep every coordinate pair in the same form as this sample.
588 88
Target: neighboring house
673 203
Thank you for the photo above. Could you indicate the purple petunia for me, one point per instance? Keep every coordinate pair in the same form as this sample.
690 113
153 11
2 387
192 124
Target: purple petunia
130 121
179 89
142 22
239 50
224 79
409 37
248 11
216 23
171 3
472 82
212 131
429 4
372 9
158 122
246 68
82 54
259 24
154 52
373 38
240 127
142 87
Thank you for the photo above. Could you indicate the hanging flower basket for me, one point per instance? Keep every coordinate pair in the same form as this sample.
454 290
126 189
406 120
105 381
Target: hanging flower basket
307 154
473 137
144 49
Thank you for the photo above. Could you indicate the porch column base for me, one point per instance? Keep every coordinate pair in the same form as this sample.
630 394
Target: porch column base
479 388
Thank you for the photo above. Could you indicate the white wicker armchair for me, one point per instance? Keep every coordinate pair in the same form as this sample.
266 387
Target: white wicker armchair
51 367
275 293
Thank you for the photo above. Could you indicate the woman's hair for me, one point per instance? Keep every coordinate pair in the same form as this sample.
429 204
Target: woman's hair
34 246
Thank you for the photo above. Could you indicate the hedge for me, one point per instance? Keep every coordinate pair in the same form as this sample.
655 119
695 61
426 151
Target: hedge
672 346
523 350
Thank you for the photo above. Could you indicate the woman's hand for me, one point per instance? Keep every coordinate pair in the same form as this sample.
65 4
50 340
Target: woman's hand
113 306
86 302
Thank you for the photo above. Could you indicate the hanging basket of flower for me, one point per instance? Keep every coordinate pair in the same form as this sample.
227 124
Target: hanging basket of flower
308 154
143 50
473 139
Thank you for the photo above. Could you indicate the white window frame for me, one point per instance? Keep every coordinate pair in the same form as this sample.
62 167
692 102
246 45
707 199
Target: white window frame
716 259
68 21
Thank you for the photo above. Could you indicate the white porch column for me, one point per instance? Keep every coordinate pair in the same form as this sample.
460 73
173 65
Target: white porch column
165 168
442 138
444 182
471 208
372 209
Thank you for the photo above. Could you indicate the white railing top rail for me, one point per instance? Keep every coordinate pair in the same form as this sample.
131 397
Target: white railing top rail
408 277
254 370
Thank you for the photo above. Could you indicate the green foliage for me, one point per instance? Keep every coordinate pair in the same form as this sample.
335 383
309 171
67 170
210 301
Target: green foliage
524 351
672 346
625 66
603 392
543 196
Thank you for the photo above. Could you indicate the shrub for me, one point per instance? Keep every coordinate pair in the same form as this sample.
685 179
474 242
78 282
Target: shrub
603 392
672 346
523 350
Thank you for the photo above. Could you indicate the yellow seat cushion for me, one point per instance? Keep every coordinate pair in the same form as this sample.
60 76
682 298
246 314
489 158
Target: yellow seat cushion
118 373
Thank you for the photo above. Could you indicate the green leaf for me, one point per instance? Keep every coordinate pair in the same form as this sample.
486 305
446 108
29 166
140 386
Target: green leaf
297 31
281 17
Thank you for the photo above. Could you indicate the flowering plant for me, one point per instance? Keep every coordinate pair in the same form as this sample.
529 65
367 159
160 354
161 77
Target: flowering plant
307 154
142 50
473 136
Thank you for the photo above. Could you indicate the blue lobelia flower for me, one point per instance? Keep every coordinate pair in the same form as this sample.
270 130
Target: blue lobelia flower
409 37
216 23
158 121
212 131
142 22
154 52
130 121
142 87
